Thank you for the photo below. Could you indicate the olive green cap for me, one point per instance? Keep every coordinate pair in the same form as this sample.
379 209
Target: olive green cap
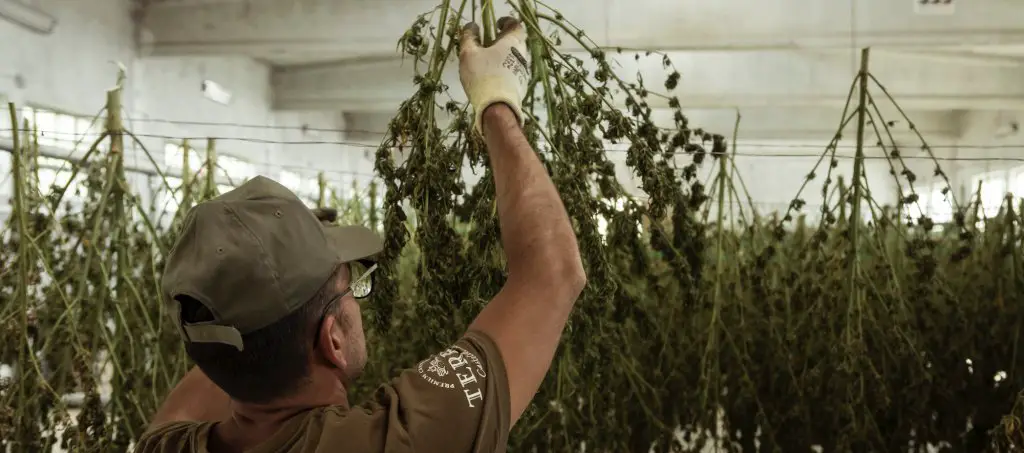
252 256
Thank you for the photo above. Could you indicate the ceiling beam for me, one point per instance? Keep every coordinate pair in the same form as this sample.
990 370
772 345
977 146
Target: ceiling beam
709 80
757 124
318 29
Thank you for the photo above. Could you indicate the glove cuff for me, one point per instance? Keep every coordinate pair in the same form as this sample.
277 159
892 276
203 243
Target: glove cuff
511 102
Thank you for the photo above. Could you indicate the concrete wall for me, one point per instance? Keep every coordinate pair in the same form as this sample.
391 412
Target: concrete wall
991 149
773 169
991 141
368 29
69 71
772 173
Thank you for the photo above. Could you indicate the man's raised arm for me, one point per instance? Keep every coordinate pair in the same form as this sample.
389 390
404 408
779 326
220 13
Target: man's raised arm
526 319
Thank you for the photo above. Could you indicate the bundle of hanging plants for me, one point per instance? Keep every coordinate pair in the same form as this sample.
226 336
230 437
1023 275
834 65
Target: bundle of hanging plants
763 335
866 328
577 106
90 353
893 333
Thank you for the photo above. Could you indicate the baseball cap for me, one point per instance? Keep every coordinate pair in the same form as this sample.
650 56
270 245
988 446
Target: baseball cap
252 256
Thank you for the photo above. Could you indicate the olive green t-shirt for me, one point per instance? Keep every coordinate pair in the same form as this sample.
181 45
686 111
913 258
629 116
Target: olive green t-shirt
453 402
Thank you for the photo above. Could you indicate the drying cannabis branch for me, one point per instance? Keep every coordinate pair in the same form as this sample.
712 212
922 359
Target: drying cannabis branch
874 329
90 352
757 310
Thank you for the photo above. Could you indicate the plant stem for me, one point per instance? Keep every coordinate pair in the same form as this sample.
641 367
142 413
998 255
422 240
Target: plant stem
856 290
210 189
488 21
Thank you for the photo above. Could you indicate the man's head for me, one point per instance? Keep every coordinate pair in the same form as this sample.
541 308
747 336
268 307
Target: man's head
264 292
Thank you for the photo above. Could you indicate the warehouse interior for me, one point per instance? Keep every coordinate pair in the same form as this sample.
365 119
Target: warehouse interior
303 91
312 84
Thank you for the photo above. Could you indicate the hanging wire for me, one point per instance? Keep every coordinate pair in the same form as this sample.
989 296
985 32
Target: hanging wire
354 131
780 144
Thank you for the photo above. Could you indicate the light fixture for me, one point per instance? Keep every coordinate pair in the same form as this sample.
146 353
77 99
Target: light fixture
27 16
934 7
216 93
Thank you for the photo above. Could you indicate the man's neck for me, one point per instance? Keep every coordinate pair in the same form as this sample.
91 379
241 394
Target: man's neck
252 424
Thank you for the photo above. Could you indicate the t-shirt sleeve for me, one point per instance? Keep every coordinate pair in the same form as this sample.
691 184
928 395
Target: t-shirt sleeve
454 401
166 438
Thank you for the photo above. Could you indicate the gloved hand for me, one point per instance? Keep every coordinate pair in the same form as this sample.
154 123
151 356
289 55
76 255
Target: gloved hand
497 73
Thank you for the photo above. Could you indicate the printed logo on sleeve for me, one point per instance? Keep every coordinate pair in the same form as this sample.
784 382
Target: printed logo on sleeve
437 367
455 368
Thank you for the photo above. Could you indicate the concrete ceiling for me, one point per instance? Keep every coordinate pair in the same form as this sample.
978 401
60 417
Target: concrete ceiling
1015 51
772 59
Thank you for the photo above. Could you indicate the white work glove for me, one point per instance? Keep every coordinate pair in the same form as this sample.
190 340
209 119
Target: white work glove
497 73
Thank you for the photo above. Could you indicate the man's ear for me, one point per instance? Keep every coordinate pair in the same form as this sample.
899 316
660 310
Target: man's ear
331 344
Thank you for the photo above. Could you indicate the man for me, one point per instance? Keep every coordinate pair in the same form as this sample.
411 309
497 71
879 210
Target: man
265 295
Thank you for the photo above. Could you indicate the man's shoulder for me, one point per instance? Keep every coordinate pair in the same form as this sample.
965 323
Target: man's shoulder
338 428
322 429
171 437
455 400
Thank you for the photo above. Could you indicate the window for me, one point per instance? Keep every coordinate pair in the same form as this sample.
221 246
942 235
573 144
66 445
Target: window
59 130
45 124
993 190
168 201
1017 181
307 189
174 157
290 179
939 205
237 170
354 191
224 188
6 128
6 181
64 125
234 169
85 131
931 202
54 174
602 223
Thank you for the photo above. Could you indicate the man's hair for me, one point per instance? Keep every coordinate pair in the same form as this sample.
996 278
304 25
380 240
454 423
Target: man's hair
275 360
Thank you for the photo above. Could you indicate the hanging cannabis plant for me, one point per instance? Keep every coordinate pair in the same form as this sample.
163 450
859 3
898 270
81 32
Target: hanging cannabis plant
572 117
763 335
875 328
91 354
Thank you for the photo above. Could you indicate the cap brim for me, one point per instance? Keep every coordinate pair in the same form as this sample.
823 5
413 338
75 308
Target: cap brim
353 242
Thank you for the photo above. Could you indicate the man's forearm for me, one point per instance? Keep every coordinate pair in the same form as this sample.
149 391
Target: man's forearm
535 229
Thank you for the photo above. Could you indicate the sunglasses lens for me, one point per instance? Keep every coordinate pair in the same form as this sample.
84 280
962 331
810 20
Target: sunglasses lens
362 284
